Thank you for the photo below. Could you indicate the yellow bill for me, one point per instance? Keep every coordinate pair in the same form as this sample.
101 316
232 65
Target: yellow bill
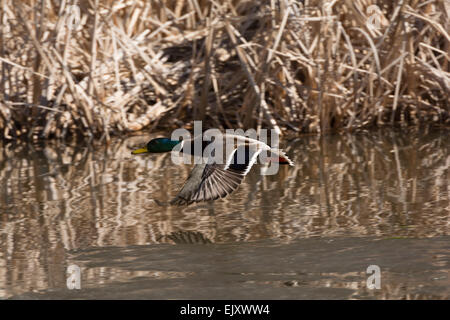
138 151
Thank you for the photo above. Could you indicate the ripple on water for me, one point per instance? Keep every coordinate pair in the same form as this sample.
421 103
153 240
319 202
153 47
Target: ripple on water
56 199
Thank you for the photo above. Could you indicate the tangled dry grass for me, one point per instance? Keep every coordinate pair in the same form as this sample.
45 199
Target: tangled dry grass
101 67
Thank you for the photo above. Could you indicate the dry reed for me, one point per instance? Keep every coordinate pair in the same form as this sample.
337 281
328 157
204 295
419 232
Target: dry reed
102 67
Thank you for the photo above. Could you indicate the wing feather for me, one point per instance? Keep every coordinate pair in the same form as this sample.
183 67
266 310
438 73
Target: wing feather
212 181
215 182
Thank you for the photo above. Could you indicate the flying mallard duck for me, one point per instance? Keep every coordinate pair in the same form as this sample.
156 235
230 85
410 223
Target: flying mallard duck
213 180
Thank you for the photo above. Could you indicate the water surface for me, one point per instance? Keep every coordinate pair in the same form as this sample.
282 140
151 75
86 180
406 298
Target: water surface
379 197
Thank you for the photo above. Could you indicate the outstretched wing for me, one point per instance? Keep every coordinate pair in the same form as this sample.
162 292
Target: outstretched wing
208 182
213 181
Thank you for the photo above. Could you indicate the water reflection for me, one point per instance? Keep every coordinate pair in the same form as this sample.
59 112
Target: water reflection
57 198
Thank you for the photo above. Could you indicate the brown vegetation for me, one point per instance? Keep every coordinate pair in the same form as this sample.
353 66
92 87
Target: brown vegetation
99 67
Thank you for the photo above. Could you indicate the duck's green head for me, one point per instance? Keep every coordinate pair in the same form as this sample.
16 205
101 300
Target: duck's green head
157 145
